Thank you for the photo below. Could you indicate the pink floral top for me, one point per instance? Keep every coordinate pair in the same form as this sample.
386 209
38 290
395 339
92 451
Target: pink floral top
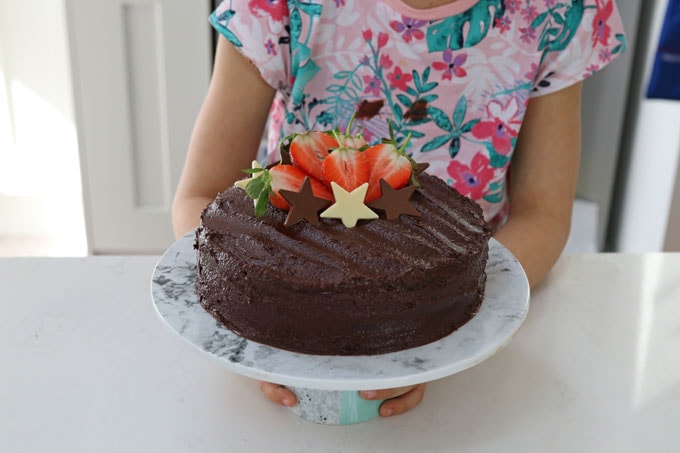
456 77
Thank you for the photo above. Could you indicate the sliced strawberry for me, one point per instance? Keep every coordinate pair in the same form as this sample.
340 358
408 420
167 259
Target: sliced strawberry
389 163
290 177
345 139
347 167
353 141
308 151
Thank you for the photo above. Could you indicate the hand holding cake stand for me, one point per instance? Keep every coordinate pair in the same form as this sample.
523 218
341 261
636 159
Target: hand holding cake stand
326 386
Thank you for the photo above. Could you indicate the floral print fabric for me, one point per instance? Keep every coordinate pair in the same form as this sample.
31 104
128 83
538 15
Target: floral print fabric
456 78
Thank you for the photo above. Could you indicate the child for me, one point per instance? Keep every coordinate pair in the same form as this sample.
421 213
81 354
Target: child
481 86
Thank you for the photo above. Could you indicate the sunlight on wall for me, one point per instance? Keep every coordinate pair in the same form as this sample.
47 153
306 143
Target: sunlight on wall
40 184
45 148
6 129
39 174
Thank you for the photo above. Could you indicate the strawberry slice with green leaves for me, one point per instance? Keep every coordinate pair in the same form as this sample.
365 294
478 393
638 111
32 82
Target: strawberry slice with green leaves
345 139
353 141
388 162
309 150
347 167
265 187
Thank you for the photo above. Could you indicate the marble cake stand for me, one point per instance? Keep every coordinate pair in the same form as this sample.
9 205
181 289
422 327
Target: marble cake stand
326 385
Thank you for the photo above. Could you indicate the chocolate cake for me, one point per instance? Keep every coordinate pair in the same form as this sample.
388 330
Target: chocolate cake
382 286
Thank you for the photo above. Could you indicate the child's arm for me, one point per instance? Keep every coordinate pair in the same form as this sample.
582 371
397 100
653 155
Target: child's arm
225 140
226 135
543 184
543 176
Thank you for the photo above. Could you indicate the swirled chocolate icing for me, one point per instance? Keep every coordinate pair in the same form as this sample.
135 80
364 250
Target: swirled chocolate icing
379 287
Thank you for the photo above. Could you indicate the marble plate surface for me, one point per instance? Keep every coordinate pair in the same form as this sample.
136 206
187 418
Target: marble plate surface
501 314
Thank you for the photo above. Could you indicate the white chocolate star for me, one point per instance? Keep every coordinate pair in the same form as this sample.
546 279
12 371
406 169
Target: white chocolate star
349 206
242 183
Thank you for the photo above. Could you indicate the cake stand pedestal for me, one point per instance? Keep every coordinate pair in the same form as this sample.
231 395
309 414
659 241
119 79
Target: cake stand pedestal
326 386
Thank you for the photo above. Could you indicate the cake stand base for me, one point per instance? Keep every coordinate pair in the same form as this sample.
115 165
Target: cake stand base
333 407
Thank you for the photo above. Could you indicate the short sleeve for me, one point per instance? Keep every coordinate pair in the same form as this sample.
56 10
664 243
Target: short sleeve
577 44
259 29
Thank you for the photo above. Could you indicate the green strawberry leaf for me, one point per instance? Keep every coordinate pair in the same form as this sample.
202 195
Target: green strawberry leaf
251 171
255 187
261 204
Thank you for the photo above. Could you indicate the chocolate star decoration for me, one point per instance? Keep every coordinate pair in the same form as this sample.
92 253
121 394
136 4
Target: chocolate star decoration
303 204
284 152
285 157
349 207
395 202
421 167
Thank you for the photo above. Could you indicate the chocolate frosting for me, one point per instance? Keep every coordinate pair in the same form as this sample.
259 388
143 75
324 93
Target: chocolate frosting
379 287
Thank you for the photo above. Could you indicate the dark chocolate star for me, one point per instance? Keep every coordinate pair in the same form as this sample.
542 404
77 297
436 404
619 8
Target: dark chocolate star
421 167
284 152
395 202
285 157
303 204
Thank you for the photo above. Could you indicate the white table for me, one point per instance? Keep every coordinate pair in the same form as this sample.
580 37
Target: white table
86 366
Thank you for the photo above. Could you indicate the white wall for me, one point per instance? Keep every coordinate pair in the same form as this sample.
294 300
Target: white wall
40 189
653 168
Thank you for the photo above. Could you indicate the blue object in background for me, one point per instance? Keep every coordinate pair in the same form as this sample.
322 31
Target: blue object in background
665 80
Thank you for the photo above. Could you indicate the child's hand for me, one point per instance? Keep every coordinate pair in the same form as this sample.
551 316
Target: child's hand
399 400
278 394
